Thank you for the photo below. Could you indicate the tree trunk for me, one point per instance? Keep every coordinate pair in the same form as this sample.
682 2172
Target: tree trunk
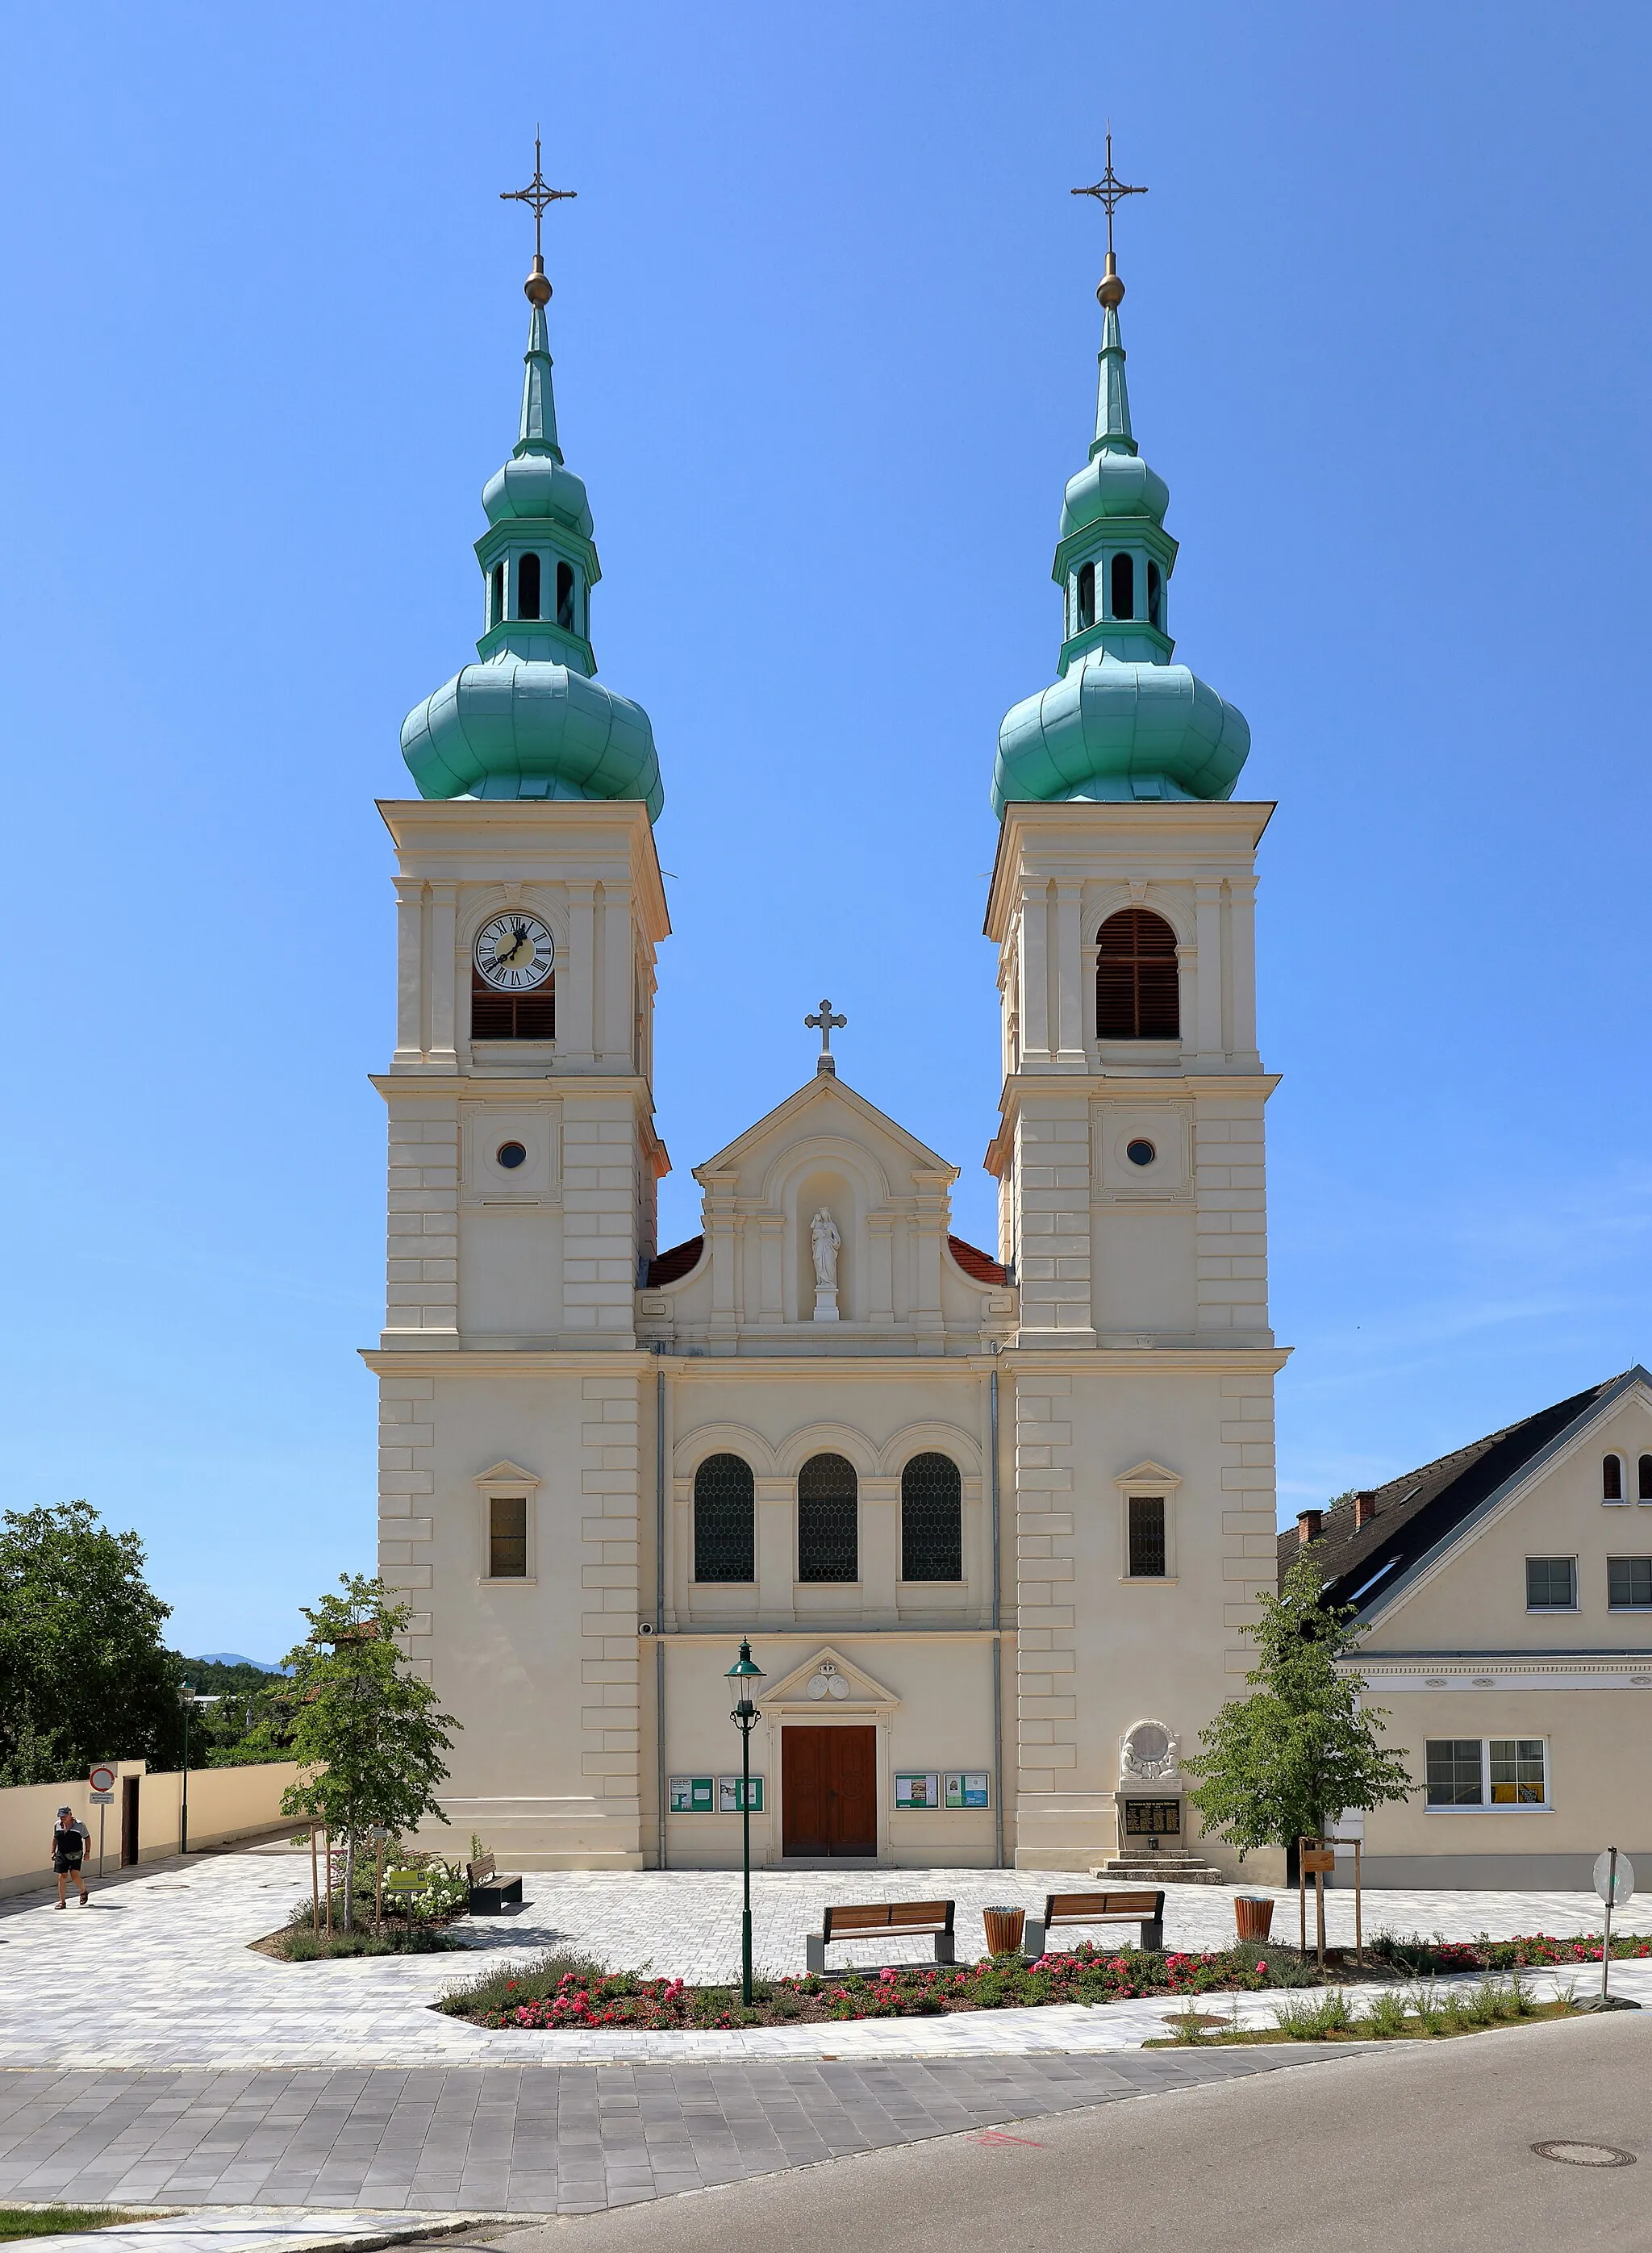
350 1881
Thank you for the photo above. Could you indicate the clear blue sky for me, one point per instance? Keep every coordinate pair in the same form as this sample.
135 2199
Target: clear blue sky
825 341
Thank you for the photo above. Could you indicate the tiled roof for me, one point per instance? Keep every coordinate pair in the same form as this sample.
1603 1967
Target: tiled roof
976 1264
671 1267
1415 1513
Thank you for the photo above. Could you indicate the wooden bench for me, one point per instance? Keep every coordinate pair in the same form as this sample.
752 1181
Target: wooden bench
489 1891
1144 1908
883 1920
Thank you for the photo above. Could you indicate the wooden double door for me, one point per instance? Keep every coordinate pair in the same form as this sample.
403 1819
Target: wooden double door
829 1791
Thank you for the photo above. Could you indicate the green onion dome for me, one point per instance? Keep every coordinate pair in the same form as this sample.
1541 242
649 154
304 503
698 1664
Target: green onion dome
1122 720
529 720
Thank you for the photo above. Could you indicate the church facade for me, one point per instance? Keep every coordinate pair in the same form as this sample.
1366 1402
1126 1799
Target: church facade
992 1521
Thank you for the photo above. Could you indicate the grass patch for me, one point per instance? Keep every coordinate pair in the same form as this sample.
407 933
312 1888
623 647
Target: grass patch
59 2221
1420 2013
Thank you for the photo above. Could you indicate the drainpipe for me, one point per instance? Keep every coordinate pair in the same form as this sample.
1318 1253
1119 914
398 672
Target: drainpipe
996 1646
659 1597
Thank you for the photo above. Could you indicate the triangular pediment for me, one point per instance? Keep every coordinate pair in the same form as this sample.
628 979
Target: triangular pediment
824 1107
808 1686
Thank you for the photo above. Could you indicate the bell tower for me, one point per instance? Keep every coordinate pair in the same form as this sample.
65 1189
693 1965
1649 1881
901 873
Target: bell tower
523 1164
1129 1151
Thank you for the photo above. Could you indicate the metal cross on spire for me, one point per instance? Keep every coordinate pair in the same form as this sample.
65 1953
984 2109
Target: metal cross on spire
1110 192
539 196
823 1024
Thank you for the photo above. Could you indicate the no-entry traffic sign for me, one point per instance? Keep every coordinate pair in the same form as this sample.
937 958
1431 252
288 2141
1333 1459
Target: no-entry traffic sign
102 1777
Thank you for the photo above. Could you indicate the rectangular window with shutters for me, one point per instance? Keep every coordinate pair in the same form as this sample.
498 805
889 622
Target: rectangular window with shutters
507 1537
1147 1536
511 1016
1629 1584
1552 1584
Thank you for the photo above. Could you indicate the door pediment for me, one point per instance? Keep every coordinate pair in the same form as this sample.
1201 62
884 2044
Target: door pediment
809 1690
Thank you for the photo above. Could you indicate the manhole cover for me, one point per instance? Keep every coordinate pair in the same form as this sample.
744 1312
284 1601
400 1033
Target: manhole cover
1586 2155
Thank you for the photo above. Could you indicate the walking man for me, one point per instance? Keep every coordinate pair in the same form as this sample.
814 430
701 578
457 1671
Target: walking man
69 1842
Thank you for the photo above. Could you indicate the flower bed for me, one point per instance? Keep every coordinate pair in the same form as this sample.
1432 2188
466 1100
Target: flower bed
563 1994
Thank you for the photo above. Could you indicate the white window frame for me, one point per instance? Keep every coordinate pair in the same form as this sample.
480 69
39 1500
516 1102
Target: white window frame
1487 1805
1559 1557
503 1481
1150 1481
1617 1501
1611 1606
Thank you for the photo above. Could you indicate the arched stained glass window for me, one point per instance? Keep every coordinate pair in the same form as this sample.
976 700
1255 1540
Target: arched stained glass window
828 1529
1137 996
931 1519
725 1515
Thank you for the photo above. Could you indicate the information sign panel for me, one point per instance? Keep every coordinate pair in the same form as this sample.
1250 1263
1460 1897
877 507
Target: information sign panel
919 1790
968 1788
729 1795
692 1795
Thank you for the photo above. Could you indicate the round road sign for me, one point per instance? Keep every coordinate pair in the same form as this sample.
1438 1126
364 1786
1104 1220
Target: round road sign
102 1777
1620 1890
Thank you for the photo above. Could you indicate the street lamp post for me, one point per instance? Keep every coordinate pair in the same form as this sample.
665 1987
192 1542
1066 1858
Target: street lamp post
745 1674
183 1813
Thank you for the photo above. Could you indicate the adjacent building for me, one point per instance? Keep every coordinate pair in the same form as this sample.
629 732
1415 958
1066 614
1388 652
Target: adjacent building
1507 1594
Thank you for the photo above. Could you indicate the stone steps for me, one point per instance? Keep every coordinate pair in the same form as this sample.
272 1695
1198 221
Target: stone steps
1158 1870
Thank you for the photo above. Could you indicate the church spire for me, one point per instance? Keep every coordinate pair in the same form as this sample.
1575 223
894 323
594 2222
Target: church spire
538 432
1123 721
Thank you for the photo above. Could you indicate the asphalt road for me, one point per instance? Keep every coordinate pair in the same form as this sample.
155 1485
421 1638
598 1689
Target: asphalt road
1423 2148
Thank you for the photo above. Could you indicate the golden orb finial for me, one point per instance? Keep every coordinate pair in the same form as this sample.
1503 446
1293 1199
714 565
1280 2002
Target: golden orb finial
1110 290
537 289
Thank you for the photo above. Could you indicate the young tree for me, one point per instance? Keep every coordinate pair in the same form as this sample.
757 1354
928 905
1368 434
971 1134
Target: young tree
83 1674
1286 1761
365 1728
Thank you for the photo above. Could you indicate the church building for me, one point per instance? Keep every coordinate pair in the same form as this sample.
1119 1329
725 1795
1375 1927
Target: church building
992 1521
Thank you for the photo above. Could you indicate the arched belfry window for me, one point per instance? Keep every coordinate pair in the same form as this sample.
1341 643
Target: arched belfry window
1122 586
1643 1484
1136 978
725 1520
528 587
1611 1478
565 596
1086 614
828 1532
497 607
931 1519
1155 595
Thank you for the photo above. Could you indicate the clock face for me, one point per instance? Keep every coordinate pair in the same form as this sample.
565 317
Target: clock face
514 952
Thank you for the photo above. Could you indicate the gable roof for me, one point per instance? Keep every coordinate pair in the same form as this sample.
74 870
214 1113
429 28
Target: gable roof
1427 1510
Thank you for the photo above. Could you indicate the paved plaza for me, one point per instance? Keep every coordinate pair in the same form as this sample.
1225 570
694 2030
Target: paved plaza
527 2140
159 1971
149 2057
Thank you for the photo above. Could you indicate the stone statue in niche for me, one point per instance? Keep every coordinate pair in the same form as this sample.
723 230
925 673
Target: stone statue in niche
824 1242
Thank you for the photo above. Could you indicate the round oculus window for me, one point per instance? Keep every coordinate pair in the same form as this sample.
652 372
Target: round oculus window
510 1155
1140 1153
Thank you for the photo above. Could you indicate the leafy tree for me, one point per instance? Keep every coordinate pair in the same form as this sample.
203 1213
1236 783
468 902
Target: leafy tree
365 1727
1287 1760
84 1676
242 1720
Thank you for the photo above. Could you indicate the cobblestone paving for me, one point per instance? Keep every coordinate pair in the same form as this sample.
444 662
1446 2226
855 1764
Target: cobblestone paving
157 1971
539 2139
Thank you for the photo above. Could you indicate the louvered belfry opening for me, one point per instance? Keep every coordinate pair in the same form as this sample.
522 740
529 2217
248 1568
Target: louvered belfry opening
931 1519
1136 978
828 1533
725 1496
511 1016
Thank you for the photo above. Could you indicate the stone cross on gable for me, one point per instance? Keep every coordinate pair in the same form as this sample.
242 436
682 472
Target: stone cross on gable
823 1025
